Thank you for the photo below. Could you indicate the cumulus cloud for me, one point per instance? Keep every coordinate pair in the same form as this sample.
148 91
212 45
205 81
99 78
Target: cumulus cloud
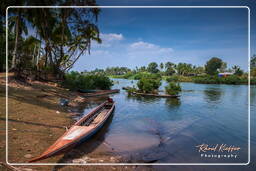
109 39
115 51
145 46
142 48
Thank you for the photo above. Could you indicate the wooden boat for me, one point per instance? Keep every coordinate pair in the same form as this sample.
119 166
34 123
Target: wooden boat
80 131
100 93
126 88
87 91
155 95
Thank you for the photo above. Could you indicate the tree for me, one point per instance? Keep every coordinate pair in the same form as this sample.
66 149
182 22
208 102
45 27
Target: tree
18 25
169 68
148 85
152 67
212 65
184 69
64 34
253 61
223 67
237 70
161 66
173 88
199 70
253 65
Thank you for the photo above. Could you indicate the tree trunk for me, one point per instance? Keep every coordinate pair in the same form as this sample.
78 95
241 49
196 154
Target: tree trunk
14 57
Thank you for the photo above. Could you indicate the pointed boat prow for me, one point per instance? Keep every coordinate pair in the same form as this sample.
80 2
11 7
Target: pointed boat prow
37 159
80 131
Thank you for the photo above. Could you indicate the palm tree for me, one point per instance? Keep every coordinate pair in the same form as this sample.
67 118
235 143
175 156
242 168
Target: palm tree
161 66
17 23
31 48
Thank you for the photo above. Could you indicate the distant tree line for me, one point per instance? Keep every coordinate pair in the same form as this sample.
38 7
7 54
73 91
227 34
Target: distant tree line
213 66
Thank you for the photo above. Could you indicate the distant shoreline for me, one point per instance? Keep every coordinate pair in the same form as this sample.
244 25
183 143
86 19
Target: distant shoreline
195 79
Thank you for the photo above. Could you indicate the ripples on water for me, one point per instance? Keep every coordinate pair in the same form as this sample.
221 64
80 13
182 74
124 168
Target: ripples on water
167 130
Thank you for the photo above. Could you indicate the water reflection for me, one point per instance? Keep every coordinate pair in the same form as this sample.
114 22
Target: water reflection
173 102
253 95
142 99
213 94
154 129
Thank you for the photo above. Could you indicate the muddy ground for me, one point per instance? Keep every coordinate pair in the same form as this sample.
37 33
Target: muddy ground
36 120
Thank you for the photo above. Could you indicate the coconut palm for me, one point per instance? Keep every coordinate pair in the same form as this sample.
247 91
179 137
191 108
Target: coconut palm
17 23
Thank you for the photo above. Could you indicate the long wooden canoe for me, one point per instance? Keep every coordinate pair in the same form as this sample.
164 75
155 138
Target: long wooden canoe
100 93
80 131
87 91
155 95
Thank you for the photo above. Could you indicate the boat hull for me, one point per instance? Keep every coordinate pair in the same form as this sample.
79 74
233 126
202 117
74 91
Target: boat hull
100 93
74 136
156 95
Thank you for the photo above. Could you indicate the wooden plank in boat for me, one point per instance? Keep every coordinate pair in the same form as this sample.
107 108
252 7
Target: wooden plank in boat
100 116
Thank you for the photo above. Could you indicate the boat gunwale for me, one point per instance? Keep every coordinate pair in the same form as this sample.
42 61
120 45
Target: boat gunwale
77 139
100 93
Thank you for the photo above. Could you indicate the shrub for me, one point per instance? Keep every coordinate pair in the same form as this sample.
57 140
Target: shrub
253 81
75 80
131 90
174 78
173 88
148 85
232 79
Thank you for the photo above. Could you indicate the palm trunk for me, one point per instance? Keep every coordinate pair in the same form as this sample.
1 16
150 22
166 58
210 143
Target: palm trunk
14 57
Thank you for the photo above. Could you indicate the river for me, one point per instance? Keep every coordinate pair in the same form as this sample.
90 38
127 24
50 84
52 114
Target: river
163 130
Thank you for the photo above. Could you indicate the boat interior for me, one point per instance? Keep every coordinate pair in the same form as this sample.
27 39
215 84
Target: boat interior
97 116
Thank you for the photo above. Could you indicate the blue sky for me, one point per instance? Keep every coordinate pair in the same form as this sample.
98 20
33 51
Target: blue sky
135 37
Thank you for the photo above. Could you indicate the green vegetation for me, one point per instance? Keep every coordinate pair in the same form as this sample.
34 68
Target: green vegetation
75 80
149 85
153 67
213 65
59 37
184 72
173 88
178 78
253 66
232 79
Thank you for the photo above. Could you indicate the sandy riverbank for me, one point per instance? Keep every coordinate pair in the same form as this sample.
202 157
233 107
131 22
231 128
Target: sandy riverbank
36 120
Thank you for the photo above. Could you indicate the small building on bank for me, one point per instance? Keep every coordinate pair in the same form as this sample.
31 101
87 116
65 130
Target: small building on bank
225 74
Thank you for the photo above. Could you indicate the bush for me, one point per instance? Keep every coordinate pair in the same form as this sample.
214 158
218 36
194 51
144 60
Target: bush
75 80
173 88
128 75
232 79
253 81
174 78
148 85
131 90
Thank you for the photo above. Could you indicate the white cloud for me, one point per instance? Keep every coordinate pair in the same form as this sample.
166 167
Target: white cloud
111 37
115 52
142 45
148 50
145 46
